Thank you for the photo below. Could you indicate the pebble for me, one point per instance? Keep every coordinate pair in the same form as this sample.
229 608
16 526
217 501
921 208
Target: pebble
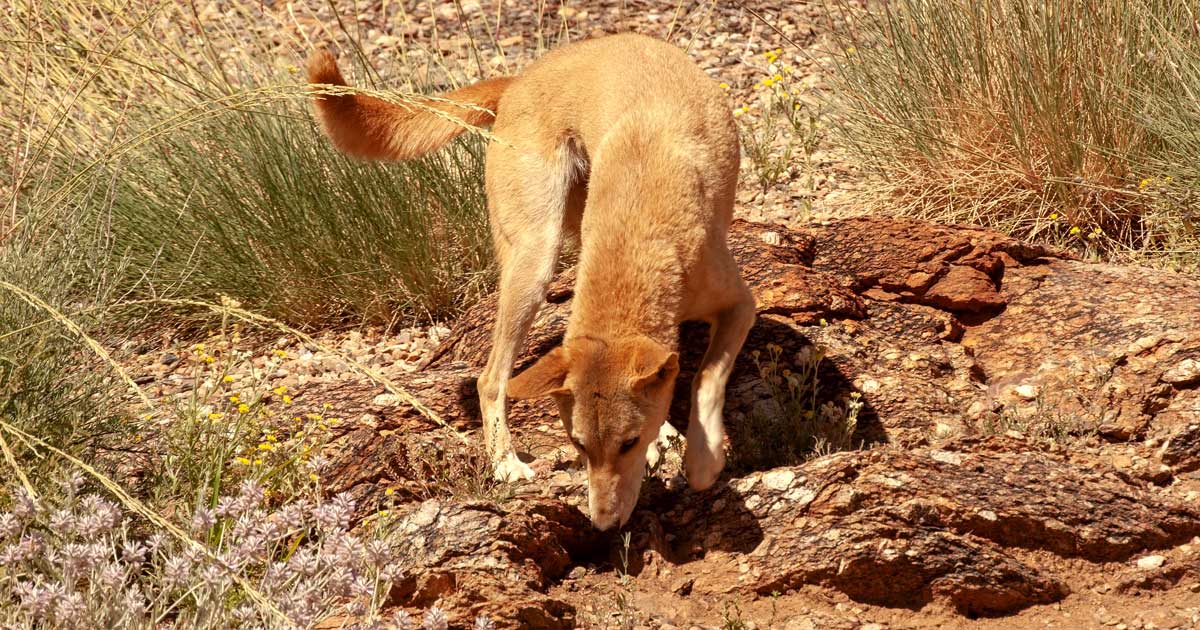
1150 562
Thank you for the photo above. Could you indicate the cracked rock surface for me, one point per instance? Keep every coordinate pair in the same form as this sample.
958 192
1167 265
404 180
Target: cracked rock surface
1030 424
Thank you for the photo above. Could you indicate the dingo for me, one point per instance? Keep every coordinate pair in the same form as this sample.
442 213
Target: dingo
627 146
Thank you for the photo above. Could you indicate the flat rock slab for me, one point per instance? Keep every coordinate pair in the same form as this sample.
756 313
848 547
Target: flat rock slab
975 526
940 328
945 333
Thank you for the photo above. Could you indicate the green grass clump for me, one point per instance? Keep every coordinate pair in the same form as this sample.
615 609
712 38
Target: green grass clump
218 180
50 384
261 207
1069 122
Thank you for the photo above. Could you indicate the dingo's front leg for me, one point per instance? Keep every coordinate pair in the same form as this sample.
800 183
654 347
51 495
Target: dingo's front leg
705 455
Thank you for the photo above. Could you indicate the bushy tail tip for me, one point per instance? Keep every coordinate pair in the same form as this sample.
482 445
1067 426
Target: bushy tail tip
323 68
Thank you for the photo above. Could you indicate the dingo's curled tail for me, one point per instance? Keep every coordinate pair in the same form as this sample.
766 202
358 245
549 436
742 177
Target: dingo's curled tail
375 129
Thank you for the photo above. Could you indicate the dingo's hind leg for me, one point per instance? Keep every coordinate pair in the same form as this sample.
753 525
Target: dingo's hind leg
527 196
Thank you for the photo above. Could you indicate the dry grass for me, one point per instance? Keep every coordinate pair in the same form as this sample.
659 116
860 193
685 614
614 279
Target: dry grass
1069 122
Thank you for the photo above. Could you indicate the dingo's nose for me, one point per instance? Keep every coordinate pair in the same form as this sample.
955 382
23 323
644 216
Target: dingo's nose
604 519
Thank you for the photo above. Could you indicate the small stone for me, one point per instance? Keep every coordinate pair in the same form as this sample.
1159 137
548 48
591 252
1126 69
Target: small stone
1028 392
1149 563
1185 373
946 457
385 400
170 358
577 573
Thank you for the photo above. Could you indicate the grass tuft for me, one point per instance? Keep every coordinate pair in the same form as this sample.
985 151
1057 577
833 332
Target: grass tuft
1072 123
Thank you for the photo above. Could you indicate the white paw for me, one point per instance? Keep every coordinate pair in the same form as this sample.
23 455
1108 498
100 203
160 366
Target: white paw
667 438
510 469
703 466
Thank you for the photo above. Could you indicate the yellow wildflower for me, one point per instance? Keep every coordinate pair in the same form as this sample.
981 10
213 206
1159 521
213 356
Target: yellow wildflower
279 391
1075 230
234 398
768 82
198 348
312 476
739 111
724 86
1144 183
287 400
851 50
778 78
271 437
227 379
215 416
243 461
266 446
258 462
326 406
280 353
209 360
389 492
243 408
1053 216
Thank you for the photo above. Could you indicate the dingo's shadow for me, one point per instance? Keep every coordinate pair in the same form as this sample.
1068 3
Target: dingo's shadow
681 525
768 423
678 525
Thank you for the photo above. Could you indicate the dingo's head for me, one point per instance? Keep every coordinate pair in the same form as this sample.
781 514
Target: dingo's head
613 396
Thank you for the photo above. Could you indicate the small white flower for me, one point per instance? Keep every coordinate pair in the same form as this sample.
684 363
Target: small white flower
435 619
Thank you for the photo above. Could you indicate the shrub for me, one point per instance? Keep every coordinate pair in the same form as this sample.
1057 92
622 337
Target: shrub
76 561
792 424
1071 122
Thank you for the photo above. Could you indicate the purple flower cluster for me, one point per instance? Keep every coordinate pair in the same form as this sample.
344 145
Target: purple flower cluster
74 562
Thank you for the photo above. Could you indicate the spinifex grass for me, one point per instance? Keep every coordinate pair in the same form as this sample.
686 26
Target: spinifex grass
262 208
1072 122
217 180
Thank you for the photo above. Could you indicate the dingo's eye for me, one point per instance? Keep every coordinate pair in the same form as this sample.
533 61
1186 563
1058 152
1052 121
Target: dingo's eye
628 445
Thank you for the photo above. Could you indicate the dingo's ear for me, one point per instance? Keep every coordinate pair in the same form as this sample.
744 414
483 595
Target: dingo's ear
654 365
542 378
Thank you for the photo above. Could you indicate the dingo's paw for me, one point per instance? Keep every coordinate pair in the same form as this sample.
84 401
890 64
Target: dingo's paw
703 466
510 469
